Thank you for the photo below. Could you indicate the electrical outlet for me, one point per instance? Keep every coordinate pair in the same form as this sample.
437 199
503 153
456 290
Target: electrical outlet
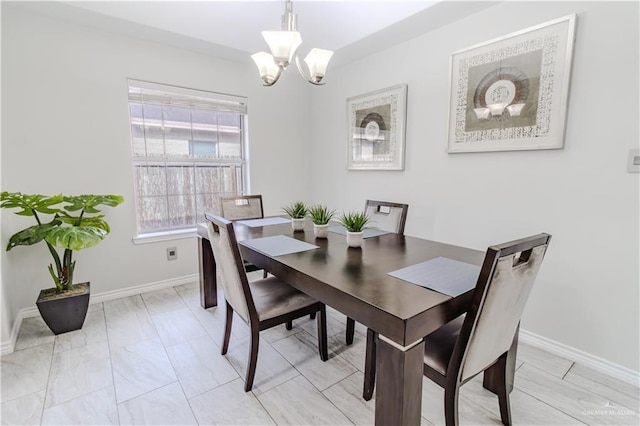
172 253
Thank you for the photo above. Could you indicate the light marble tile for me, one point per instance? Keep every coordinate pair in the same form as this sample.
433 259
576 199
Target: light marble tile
544 360
164 300
298 402
301 350
347 396
229 405
271 370
177 326
164 406
199 366
77 372
128 322
342 318
279 332
334 327
25 372
26 410
525 409
95 408
190 294
616 391
140 368
577 402
95 307
354 353
94 330
33 332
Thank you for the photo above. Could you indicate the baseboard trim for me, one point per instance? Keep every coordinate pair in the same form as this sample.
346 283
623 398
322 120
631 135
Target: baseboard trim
588 360
8 346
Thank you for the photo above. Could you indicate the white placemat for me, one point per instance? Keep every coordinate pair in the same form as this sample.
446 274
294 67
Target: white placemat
278 245
255 223
366 232
444 275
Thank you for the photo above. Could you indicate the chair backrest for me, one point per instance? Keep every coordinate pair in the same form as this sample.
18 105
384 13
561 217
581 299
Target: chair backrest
227 254
242 207
504 284
386 216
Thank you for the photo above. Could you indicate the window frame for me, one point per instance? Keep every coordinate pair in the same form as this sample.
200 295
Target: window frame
190 99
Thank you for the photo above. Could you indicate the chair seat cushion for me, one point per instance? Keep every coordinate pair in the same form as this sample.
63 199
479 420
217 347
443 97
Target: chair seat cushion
273 298
438 346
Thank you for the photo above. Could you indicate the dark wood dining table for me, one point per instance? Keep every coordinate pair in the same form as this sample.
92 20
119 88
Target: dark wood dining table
355 281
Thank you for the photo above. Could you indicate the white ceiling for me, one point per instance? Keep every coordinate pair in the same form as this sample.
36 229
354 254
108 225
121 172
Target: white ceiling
231 28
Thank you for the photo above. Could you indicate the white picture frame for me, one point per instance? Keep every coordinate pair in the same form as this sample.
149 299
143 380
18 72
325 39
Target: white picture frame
376 129
511 93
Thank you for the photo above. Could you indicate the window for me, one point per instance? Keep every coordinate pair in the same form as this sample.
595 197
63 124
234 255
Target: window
188 150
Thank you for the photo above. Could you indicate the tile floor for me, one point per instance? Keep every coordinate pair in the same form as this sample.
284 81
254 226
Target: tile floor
155 359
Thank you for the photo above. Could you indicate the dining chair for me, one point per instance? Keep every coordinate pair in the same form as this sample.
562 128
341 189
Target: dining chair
263 304
243 207
481 338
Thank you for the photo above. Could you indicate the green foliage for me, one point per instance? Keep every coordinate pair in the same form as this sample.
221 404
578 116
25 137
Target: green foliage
70 228
354 221
321 215
297 210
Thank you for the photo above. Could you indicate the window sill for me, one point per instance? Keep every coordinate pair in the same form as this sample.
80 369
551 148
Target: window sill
155 237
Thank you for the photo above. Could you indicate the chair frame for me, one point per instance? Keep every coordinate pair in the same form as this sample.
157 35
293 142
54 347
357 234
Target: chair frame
248 266
256 325
403 216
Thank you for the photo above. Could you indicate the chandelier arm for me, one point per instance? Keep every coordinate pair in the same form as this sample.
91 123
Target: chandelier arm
275 80
304 73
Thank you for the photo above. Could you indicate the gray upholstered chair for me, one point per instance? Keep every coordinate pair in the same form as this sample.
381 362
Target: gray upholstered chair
243 207
470 344
263 304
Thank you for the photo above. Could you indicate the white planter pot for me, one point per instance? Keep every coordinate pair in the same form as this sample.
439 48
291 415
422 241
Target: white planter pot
321 231
297 224
354 239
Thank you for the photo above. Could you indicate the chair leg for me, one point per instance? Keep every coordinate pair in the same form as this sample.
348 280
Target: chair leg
227 329
322 333
289 325
451 404
264 274
503 391
253 359
351 327
369 366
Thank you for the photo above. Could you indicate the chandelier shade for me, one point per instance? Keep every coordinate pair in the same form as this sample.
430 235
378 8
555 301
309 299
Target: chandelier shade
284 46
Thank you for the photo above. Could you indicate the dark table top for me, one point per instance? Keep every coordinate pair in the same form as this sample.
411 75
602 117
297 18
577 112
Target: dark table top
355 281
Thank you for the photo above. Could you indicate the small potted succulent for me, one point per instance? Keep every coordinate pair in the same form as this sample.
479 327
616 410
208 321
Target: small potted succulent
297 212
75 225
320 216
354 222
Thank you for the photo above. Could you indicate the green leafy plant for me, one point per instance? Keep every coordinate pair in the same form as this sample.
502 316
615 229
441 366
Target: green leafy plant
321 215
354 221
76 225
297 210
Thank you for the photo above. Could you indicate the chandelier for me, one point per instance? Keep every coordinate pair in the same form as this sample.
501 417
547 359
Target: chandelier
284 45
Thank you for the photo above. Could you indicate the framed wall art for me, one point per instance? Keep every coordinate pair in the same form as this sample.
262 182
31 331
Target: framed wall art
376 129
511 93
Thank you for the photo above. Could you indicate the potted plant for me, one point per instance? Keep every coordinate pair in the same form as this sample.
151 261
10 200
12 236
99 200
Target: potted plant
354 222
75 225
320 216
296 211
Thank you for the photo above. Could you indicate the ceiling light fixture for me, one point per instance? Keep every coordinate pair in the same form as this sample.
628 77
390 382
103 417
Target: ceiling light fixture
284 45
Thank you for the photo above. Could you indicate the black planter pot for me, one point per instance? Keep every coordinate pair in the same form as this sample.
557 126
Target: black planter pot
64 312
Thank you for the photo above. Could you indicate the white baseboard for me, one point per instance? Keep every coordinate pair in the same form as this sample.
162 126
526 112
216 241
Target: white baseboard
586 359
7 346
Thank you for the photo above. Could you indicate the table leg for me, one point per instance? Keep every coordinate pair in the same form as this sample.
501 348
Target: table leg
493 375
207 269
398 382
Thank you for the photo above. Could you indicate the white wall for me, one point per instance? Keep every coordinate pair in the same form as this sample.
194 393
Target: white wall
65 129
587 293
